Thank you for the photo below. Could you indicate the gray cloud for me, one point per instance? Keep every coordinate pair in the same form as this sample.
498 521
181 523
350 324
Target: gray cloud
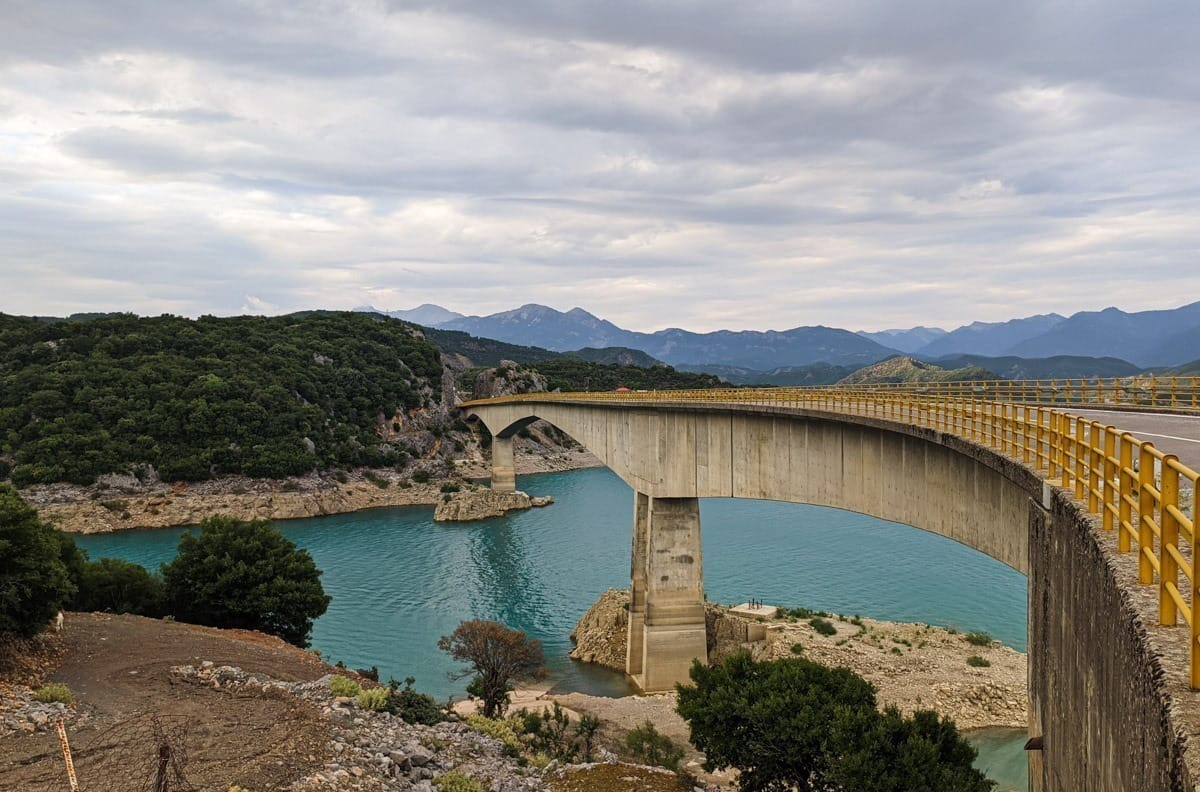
698 164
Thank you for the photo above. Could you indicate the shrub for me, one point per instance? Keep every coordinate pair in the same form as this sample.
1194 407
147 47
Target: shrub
823 626
411 706
498 729
797 648
55 691
457 781
421 476
376 479
978 639
34 581
449 487
975 661
373 699
117 586
245 575
341 686
649 746
801 613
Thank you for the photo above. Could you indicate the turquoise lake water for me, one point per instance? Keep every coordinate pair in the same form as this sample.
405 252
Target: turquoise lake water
399 580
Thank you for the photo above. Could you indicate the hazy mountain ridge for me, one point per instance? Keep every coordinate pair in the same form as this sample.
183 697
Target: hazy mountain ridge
990 338
1149 338
538 325
909 340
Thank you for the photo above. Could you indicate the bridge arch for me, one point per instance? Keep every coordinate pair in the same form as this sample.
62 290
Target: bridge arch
897 472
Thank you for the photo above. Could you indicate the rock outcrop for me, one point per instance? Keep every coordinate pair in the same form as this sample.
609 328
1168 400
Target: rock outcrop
914 666
602 633
480 505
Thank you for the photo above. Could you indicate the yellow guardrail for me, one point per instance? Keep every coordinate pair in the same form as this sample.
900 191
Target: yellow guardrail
1142 391
1135 489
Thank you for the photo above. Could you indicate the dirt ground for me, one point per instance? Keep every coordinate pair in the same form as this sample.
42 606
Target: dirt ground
119 670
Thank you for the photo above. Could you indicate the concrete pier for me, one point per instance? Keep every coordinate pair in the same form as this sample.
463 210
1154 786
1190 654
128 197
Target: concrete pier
674 621
504 471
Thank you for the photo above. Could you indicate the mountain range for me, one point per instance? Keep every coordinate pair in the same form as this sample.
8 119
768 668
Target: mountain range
1144 339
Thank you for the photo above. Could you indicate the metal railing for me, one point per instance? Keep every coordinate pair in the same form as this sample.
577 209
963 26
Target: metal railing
1135 489
1142 392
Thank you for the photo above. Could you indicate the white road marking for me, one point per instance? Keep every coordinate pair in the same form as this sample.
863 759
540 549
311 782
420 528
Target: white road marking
1168 437
1129 412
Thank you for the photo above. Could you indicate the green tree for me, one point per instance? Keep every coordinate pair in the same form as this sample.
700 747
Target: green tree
245 575
34 582
795 724
497 656
117 586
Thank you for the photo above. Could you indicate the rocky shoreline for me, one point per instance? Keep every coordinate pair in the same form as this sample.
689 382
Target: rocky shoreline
914 666
120 503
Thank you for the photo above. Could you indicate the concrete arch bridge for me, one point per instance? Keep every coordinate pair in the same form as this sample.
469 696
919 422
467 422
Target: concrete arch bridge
1100 521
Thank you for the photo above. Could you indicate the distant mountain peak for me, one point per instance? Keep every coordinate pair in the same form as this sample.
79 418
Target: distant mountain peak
426 314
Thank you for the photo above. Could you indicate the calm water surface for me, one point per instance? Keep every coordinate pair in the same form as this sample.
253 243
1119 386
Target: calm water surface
399 580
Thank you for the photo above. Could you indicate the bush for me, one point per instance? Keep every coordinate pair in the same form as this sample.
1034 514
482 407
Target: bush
978 639
421 476
373 699
115 586
411 706
975 661
823 626
457 781
650 747
495 728
797 648
55 691
343 686
801 613
245 575
376 479
34 581
450 487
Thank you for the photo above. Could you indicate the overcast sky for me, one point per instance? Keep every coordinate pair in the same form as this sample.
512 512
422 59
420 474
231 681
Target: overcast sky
709 164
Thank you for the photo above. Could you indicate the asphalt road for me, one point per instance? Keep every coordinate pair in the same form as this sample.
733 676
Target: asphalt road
1171 434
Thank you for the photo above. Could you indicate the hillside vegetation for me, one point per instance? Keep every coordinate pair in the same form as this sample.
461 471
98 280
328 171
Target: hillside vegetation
907 369
257 396
573 374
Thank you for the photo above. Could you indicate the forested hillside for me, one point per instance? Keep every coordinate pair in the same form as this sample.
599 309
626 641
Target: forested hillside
197 398
573 374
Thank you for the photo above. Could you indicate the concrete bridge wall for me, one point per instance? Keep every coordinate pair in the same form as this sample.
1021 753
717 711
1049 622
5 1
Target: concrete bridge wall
1099 697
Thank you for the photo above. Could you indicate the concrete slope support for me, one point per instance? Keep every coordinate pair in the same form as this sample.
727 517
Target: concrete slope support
1109 694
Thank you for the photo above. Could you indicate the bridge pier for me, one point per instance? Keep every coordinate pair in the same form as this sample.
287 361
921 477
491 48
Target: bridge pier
504 472
666 612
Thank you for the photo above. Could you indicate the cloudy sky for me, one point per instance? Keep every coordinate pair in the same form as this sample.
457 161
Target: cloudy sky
706 164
